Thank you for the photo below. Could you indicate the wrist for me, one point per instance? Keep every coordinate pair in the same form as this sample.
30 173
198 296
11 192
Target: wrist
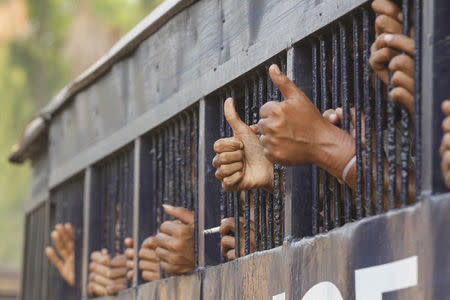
333 150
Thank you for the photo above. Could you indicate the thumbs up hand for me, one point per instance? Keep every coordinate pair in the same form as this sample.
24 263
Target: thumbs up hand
240 160
293 132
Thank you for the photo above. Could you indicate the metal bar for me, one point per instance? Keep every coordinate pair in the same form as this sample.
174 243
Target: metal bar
392 153
247 193
86 229
255 192
324 107
183 137
418 95
160 178
315 169
189 160
237 231
379 116
171 156
223 206
138 144
263 212
405 121
367 113
177 163
357 99
346 110
335 100
194 186
201 184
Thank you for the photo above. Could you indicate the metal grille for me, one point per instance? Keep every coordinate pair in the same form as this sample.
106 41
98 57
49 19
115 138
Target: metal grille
111 215
34 258
170 161
249 94
67 207
342 77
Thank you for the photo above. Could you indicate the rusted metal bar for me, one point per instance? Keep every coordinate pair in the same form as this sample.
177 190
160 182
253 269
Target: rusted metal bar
324 107
255 192
188 160
357 99
315 169
335 100
194 186
223 197
345 109
247 193
367 113
405 123
379 116
418 95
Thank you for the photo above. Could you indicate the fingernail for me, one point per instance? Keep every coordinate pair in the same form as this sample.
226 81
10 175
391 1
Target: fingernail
388 37
167 206
276 69
242 145
333 117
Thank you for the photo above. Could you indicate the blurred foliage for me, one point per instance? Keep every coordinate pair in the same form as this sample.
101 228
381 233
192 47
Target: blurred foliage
32 70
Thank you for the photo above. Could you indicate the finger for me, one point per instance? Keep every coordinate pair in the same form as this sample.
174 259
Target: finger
165 241
230 169
271 108
400 42
229 183
226 243
184 215
264 126
148 254
287 88
404 63
400 79
57 241
232 116
113 288
100 269
331 116
98 290
129 253
231 255
231 157
216 161
387 7
445 144
128 242
101 258
165 255
62 234
68 228
51 254
149 243
119 261
445 164
254 128
446 107
380 59
150 276
170 227
402 96
387 24
130 264
226 226
130 275
228 145
117 272
169 268
99 279
446 125
147 265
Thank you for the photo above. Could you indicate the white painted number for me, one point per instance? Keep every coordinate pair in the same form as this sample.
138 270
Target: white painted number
324 290
281 296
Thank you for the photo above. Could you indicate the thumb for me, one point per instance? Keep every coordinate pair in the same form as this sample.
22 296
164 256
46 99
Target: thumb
180 213
287 88
232 116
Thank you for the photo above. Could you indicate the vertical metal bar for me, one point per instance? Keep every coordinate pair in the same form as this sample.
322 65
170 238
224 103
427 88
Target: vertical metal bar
325 103
367 113
247 193
357 99
255 192
335 99
418 95
346 110
223 198
201 175
315 169
160 158
405 121
86 229
177 163
136 205
183 155
171 155
194 184
379 116
189 160
392 153
262 193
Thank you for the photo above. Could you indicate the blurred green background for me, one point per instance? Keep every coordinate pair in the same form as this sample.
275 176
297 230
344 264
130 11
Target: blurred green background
43 46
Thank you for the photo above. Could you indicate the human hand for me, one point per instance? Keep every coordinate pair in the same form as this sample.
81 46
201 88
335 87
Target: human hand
149 261
62 238
107 276
240 160
227 230
445 144
293 132
129 254
175 242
